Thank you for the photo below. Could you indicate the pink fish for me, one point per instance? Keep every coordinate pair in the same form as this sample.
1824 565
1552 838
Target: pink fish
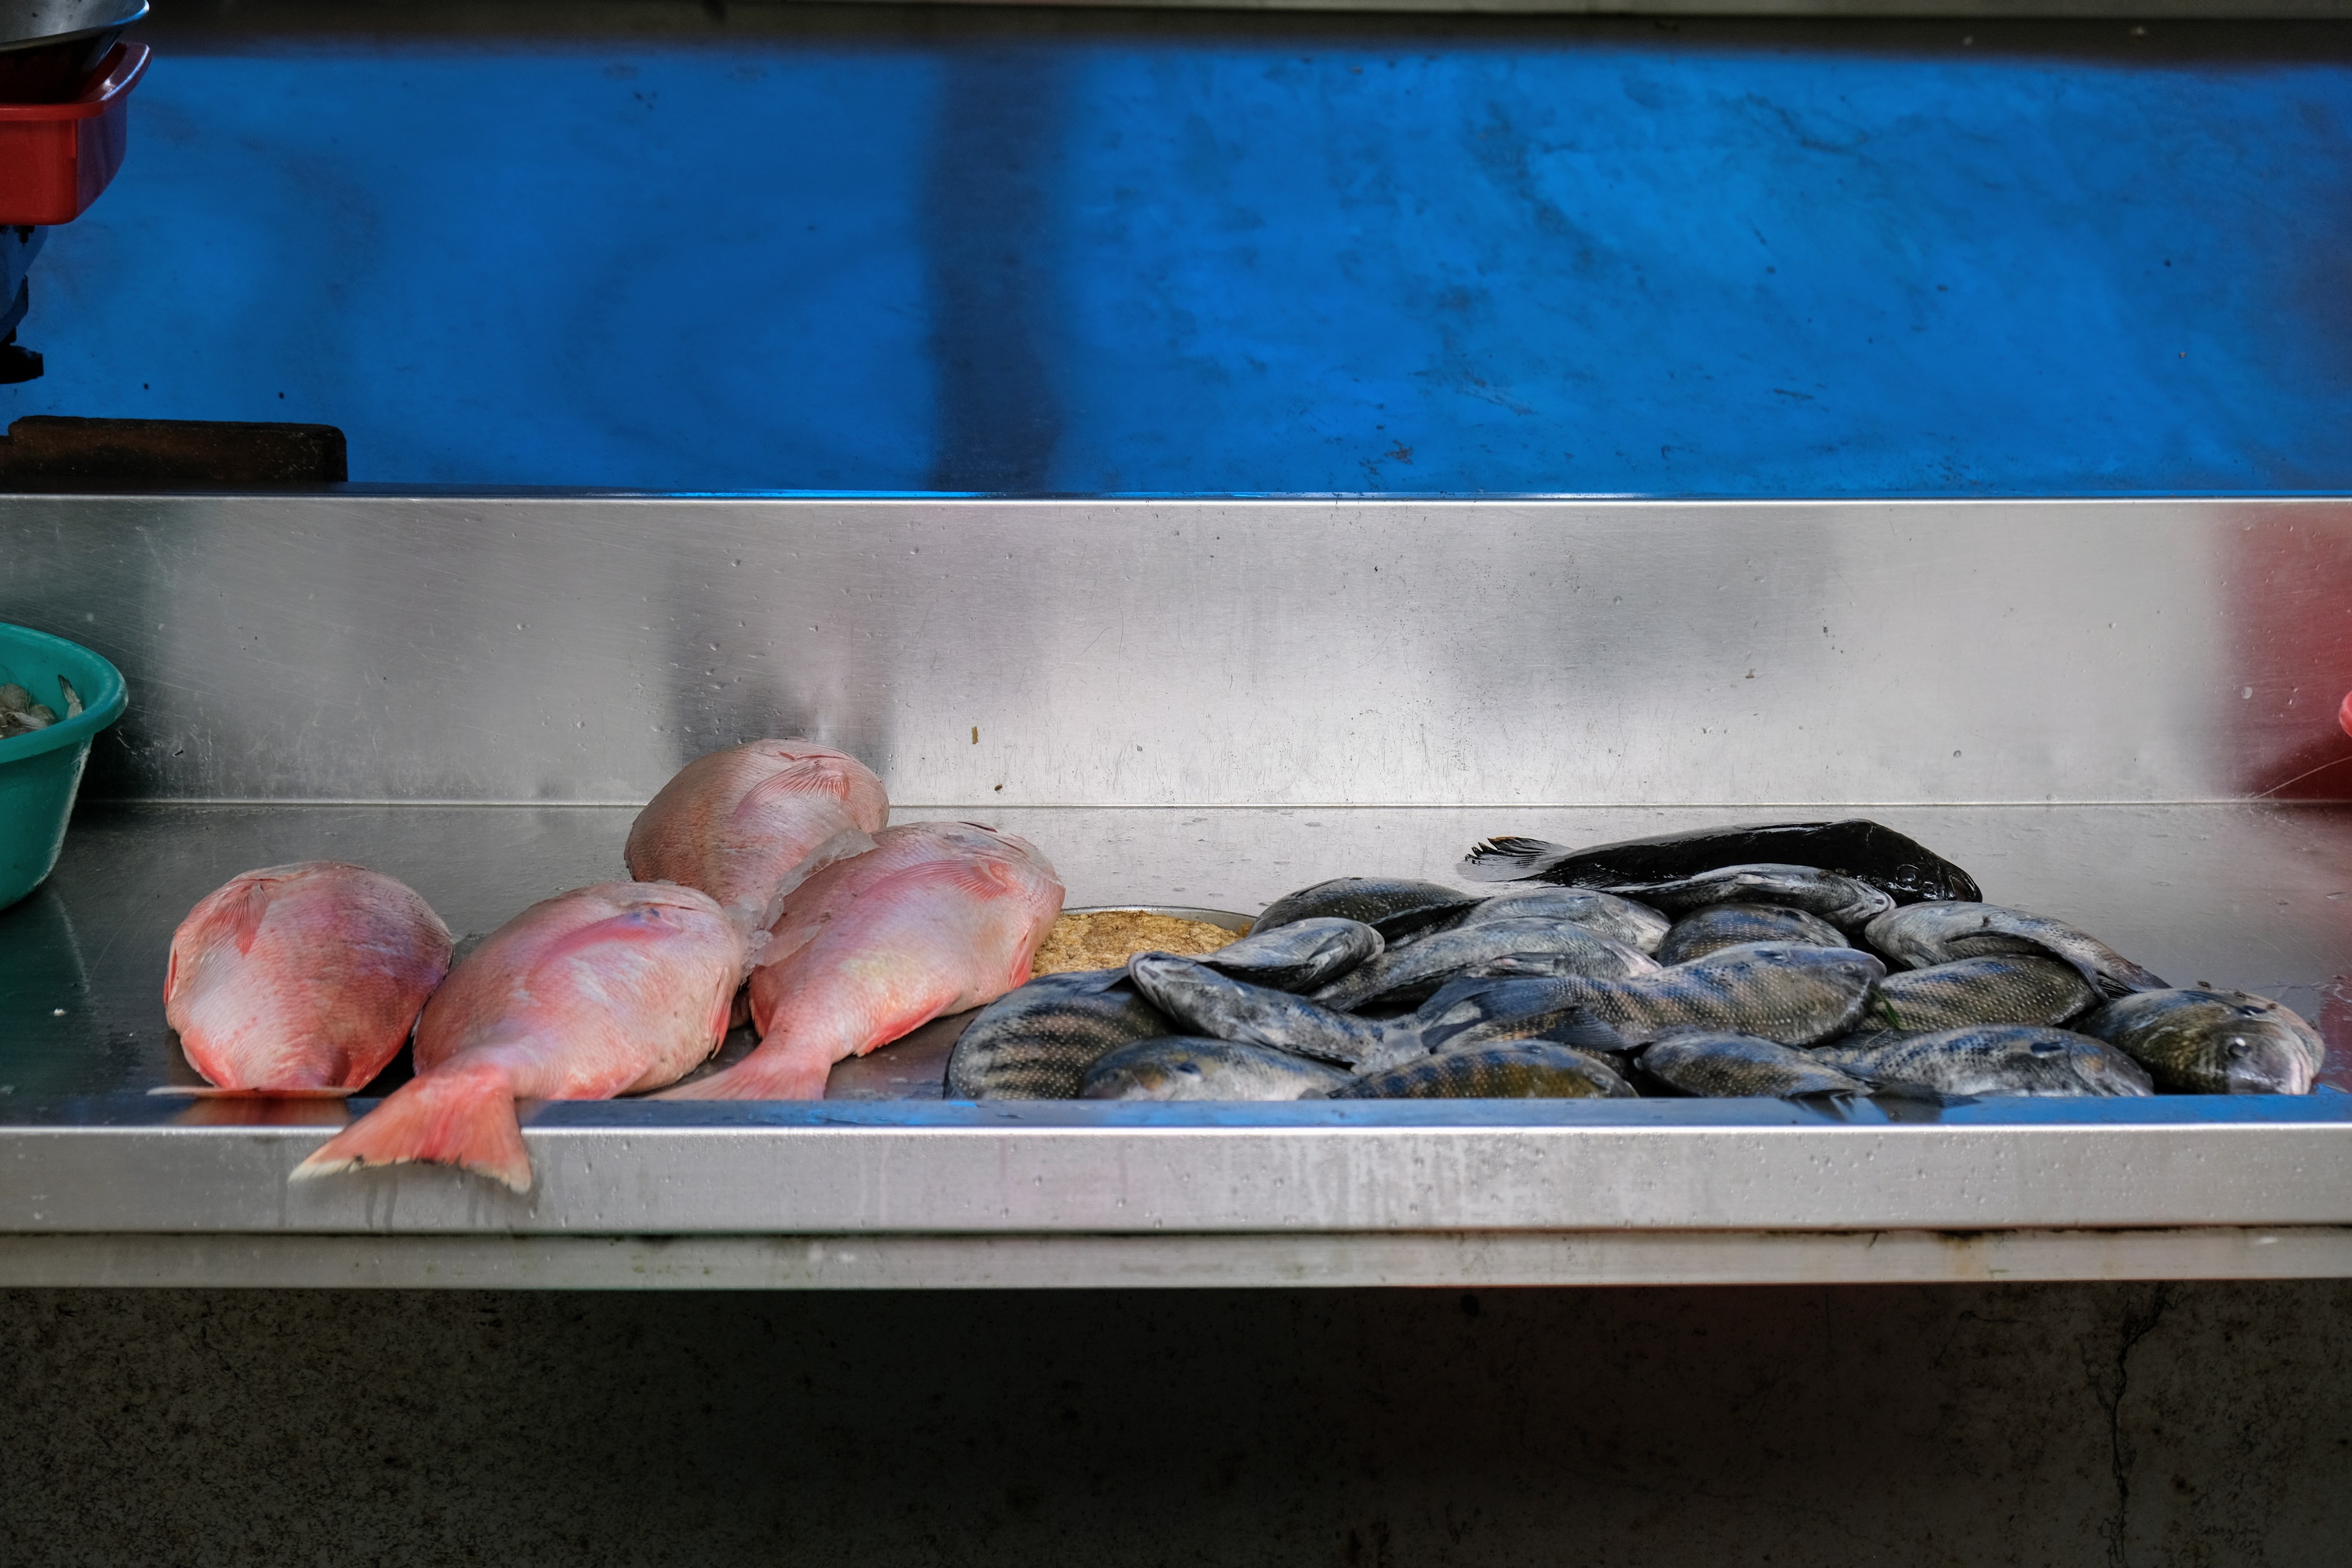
591 993
938 917
303 978
749 824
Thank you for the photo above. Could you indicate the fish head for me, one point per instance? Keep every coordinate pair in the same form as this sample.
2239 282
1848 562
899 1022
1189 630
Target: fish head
2255 1051
1147 1069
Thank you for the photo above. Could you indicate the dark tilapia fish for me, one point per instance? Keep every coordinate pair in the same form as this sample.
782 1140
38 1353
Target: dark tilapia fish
1726 1065
1391 906
1842 902
2005 988
1996 1060
1718 926
1206 1003
1412 972
1036 1042
2212 1042
1794 995
1191 1068
1525 1070
1299 955
1638 926
1865 852
1927 934
1484 1012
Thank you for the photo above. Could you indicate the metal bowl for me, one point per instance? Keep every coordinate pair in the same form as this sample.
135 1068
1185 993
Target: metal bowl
49 48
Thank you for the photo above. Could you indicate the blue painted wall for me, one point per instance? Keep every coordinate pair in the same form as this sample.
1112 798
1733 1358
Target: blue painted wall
1592 262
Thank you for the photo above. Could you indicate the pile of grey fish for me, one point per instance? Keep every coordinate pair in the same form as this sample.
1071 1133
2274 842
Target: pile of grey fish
1785 960
20 715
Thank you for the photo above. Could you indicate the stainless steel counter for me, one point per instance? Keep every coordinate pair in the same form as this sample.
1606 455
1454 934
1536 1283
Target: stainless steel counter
2066 697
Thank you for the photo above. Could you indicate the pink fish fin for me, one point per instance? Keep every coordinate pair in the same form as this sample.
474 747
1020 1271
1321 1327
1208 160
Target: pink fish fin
460 1115
640 923
802 775
210 1091
245 915
979 877
766 1074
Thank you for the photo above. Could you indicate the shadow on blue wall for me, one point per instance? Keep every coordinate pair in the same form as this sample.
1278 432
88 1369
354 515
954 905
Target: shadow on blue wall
1591 259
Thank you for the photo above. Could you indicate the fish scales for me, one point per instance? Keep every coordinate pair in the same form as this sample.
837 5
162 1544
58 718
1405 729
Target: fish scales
302 977
1037 1042
1524 1071
1923 935
1717 1065
1297 955
1207 1003
1619 919
1794 995
1391 905
1999 988
1844 901
1999 1059
1718 926
1412 972
1192 1068
606 990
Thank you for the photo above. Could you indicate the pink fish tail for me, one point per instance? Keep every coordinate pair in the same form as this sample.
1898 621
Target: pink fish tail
780 1077
461 1116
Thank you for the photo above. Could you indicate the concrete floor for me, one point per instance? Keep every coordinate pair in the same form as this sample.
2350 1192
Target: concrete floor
2113 1423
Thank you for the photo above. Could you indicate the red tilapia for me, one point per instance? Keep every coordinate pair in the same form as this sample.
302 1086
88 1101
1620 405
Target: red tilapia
303 978
938 917
592 994
750 824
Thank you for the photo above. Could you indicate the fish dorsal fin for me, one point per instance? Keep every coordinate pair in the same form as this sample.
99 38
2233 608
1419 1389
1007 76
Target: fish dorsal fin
981 877
246 912
803 777
638 923
1509 858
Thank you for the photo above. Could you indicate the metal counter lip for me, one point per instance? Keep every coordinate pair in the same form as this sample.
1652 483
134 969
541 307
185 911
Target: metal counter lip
1452 1260
881 1180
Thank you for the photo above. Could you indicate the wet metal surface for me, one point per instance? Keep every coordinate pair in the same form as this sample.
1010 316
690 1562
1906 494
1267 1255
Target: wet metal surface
999 654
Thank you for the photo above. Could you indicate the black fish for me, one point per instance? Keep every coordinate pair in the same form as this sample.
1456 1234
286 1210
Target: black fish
2212 1042
1484 1012
1996 1060
1206 1003
1845 902
1718 926
1866 851
1619 919
1797 995
1726 1065
1036 1041
1191 1067
1389 906
1998 988
1412 972
1525 1070
1298 956
1930 934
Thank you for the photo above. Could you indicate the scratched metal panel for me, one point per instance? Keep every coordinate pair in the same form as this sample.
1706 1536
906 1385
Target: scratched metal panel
1214 653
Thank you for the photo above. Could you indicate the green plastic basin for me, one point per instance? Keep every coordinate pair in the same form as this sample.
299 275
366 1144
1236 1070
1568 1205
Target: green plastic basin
40 772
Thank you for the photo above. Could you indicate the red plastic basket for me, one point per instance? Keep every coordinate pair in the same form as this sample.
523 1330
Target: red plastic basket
55 158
